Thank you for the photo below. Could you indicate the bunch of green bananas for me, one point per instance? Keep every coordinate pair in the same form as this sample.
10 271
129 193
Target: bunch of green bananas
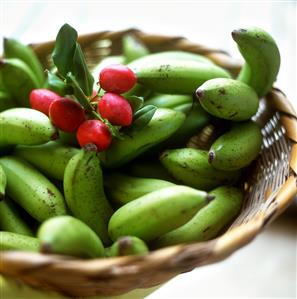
148 190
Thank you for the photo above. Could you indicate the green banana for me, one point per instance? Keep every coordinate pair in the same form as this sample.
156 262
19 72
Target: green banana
157 213
169 100
84 193
139 91
262 58
133 48
177 76
31 190
3 183
11 220
25 126
195 120
172 55
14 241
190 166
6 102
122 189
237 148
67 138
15 49
69 236
228 99
50 158
163 124
148 169
209 221
18 79
128 245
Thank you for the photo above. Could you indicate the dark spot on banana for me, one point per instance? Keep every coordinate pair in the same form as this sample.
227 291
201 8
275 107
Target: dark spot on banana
222 91
50 192
206 229
233 114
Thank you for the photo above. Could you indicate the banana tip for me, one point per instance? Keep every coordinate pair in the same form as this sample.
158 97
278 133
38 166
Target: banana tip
237 32
210 198
90 147
211 156
45 248
199 93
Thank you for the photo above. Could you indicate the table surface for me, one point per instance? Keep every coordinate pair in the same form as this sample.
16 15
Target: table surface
267 266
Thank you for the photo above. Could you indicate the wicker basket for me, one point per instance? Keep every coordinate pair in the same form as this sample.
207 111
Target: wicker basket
269 187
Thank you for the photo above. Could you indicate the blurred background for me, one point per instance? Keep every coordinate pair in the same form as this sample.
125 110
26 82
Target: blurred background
266 268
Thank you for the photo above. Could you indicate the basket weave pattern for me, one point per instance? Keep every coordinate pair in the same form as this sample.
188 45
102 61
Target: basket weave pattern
270 185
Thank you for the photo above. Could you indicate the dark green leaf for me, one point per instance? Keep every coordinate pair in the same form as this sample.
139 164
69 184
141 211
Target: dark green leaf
57 85
81 71
78 92
141 118
64 49
135 102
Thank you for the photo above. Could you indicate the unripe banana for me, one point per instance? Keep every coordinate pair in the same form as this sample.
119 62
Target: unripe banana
157 213
84 193
172 55
11 220
262 58
190 166
3 183
14 241
196 119
18 79
237 148
6 101
228 99
122 189
177 76
169 100
69 236
209 221
15 49
32 190
163 124
148 169
25 126
128 245
50 158
133 48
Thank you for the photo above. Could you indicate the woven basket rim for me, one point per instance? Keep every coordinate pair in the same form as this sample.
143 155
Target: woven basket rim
173 259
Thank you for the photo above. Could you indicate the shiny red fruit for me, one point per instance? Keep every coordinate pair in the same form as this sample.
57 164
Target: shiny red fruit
117 78
66 114
41 99
96 132
116 109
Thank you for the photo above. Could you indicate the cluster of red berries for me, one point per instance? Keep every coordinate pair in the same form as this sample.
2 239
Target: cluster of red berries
69 116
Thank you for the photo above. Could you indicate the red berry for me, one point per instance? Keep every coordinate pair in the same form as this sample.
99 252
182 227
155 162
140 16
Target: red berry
66 114
96 132
41 99
117 78
116 109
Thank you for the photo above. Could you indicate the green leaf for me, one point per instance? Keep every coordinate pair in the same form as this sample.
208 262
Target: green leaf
57 85
65 48
78 92
81 71
135 102
141 118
